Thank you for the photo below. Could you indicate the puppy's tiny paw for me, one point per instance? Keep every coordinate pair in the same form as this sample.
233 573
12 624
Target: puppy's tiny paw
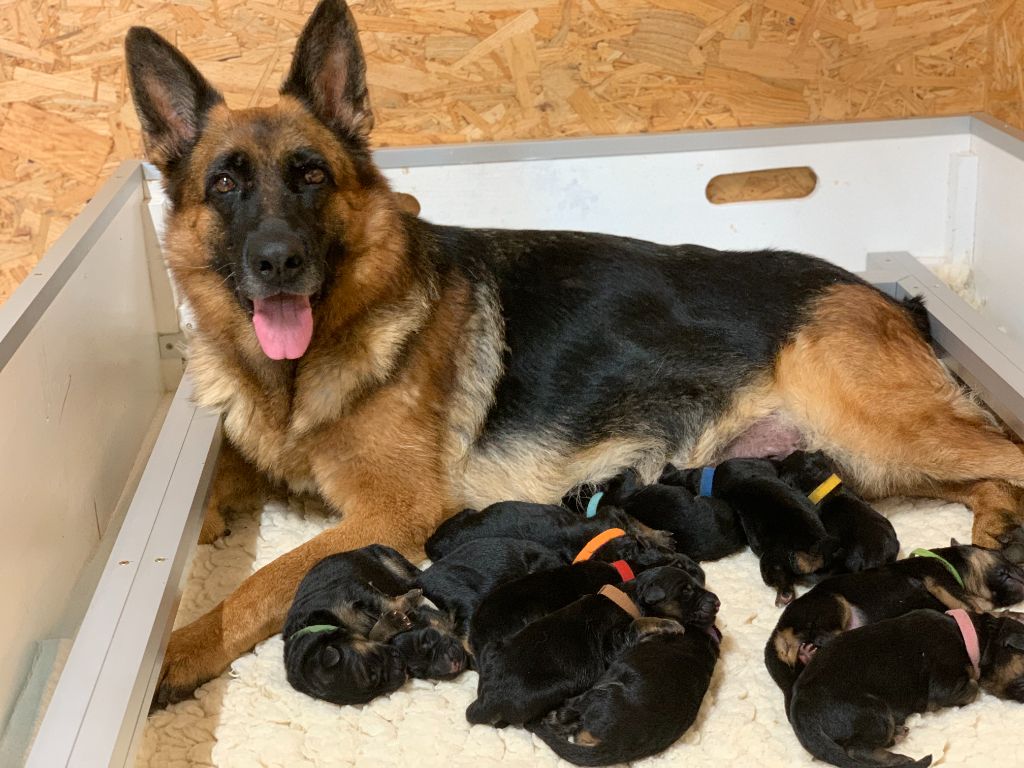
649 626
806 652
784 597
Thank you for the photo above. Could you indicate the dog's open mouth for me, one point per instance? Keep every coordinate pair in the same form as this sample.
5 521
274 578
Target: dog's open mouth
283 325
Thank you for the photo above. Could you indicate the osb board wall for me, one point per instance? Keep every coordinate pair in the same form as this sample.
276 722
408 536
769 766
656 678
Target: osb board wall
1005 71
475 70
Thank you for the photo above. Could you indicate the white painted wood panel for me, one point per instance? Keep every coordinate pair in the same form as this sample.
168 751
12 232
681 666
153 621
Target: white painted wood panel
999 237
76 401
872 195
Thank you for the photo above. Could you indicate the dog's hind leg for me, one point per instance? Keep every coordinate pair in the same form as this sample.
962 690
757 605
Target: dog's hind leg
865 387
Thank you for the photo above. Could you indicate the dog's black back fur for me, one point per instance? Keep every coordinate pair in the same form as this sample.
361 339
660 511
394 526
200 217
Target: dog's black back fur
572 369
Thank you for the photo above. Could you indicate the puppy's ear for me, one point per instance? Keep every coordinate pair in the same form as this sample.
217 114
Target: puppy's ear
652 595
954 543
328 72
171 98
329 656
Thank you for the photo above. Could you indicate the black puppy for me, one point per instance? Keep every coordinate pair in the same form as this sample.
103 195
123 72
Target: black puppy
513 605
644 703
850 704
463 577
702 527
345 610
559 529
565 652
975 578
780 524
866 537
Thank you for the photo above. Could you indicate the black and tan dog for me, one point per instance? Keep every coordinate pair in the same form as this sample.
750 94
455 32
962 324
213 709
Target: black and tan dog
702 527
517 603
460 580
358 627
866 537
850 703
966 576
780 524
643 704
565 652
404 371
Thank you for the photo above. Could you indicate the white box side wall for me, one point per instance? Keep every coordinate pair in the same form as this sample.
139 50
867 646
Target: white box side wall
883 194
76 401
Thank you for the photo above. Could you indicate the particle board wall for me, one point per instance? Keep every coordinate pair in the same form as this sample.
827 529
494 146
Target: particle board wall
480 70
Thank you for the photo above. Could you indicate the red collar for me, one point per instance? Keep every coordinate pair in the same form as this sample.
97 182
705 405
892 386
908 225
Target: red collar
625 572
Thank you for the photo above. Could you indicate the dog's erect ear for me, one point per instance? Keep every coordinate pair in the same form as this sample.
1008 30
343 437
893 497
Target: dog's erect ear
328 72
954 543
171 97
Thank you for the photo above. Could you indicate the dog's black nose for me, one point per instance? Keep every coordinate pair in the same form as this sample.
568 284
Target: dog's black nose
274 254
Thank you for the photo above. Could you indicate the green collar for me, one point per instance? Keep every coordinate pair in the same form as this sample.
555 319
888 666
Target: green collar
313 629
941 559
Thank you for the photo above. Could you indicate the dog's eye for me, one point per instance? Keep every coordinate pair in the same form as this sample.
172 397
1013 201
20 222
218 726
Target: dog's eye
314 176
223 183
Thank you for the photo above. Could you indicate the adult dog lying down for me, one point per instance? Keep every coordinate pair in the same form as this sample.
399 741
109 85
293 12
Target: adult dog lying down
405 371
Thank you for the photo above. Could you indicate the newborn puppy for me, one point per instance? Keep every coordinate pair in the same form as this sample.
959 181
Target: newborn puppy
866 538
644 703
848 601
565 652
462 578
559 529
344 613
702 527
780 524
850 704
515 604
341 602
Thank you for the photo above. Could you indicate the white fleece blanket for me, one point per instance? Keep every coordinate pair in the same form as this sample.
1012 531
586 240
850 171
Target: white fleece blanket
250 716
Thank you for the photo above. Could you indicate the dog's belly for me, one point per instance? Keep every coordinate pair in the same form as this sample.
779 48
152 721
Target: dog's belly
773 437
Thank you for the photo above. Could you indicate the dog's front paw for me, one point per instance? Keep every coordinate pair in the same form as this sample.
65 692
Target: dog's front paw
214 526
651 626
193 657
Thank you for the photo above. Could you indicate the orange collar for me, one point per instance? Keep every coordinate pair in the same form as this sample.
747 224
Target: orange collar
596 543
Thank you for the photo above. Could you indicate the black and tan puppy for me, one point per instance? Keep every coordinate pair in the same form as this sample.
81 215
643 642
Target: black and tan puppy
850 703
562 531
848 601
515 604
346 610
466 575
565 652
644 703
866 537
702 527
781 525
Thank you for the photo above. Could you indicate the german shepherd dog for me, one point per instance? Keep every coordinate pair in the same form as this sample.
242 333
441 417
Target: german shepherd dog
404 370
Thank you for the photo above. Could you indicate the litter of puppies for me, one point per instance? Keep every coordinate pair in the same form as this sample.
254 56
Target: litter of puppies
590 625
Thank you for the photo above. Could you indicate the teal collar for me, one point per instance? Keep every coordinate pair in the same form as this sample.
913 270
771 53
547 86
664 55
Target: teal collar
592 504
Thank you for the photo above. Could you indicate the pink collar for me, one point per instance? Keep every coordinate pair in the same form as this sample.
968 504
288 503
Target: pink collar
970 635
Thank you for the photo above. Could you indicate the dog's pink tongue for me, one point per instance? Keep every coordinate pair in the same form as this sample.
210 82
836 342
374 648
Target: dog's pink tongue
283 325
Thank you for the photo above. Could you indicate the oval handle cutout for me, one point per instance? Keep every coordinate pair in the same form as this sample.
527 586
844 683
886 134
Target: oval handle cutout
769 184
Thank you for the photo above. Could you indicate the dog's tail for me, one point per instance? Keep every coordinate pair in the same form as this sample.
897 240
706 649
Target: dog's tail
824 747
914 305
